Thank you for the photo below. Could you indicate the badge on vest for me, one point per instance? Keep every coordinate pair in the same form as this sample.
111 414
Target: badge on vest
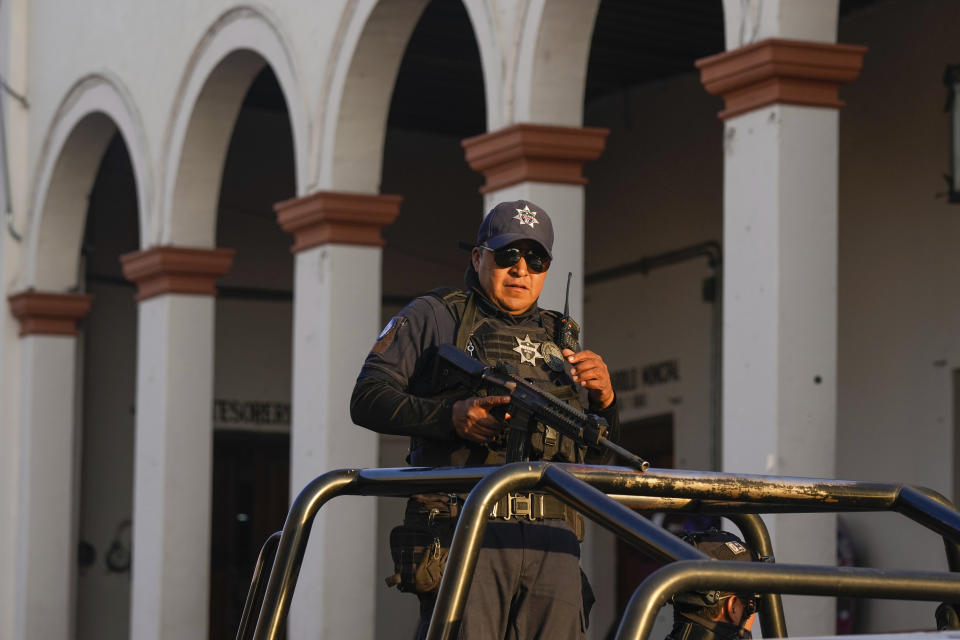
529 350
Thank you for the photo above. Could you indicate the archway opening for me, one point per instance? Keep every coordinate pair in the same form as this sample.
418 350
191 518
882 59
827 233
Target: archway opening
108 369
252 374
438 100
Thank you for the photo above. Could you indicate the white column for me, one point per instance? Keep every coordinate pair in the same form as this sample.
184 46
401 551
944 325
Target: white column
47 550
173 452
172 476
780 321
780 281
544 164
46 544
334 326
336 320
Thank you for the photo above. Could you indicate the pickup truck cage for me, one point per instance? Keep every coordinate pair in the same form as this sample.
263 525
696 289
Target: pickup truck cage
612 497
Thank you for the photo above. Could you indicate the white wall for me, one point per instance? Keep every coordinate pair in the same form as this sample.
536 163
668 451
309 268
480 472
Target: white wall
899 315
656 188
158 40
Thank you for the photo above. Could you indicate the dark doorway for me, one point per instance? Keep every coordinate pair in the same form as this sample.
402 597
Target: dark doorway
250 485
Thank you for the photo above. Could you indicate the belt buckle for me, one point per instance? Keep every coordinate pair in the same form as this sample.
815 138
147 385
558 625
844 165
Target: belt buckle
522 505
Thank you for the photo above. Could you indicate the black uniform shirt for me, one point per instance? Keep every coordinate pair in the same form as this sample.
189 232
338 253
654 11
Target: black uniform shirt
393 391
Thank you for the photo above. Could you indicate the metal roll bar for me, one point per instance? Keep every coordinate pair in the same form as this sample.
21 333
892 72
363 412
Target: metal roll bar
678 577
757 537
561 480
268 552
591 502
751 526
925 506
584 487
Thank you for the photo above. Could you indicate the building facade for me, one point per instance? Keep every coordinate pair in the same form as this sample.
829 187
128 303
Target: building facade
211 208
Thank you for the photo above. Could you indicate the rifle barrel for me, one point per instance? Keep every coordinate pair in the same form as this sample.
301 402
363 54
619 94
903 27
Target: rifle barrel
626 454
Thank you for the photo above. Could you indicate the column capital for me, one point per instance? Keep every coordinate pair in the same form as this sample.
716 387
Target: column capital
780 71
167 269
533 152
49 313
338 217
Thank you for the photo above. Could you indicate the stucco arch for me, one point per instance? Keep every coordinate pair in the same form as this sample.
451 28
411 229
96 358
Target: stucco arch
224 63
94 109
485 31
554 49
373 37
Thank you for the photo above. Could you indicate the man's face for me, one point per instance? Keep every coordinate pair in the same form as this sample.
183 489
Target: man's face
514 289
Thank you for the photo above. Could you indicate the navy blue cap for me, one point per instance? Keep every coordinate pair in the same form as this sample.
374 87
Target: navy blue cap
517 220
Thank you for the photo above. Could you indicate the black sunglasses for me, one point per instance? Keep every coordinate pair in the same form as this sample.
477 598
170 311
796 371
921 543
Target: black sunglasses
509 256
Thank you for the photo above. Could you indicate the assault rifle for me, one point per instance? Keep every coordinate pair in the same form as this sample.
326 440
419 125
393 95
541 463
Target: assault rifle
529 405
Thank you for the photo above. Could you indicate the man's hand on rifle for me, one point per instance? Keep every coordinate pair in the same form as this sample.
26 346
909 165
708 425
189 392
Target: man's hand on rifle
590 371
472 418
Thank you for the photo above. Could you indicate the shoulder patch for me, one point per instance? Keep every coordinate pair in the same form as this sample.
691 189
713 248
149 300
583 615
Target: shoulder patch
385 339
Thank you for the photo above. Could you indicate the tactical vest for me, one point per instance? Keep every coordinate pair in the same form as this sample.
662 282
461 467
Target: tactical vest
528 352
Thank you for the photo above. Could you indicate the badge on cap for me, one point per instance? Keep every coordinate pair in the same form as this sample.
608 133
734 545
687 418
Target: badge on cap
525 216
529 351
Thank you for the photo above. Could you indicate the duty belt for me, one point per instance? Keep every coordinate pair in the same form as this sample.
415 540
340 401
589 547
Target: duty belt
532 506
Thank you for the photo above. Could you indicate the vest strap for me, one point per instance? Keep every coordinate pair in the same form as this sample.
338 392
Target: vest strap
467 322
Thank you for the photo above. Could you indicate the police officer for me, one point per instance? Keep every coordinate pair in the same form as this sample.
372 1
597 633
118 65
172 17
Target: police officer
528 581
713 614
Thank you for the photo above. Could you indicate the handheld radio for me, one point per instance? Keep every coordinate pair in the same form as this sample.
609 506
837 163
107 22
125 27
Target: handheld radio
569 332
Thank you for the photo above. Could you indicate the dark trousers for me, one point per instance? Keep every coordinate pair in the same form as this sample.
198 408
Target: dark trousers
527 585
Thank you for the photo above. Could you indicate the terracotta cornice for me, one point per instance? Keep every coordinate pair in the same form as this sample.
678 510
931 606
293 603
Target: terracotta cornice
337 217
779 71
533 152
49 313
161 270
